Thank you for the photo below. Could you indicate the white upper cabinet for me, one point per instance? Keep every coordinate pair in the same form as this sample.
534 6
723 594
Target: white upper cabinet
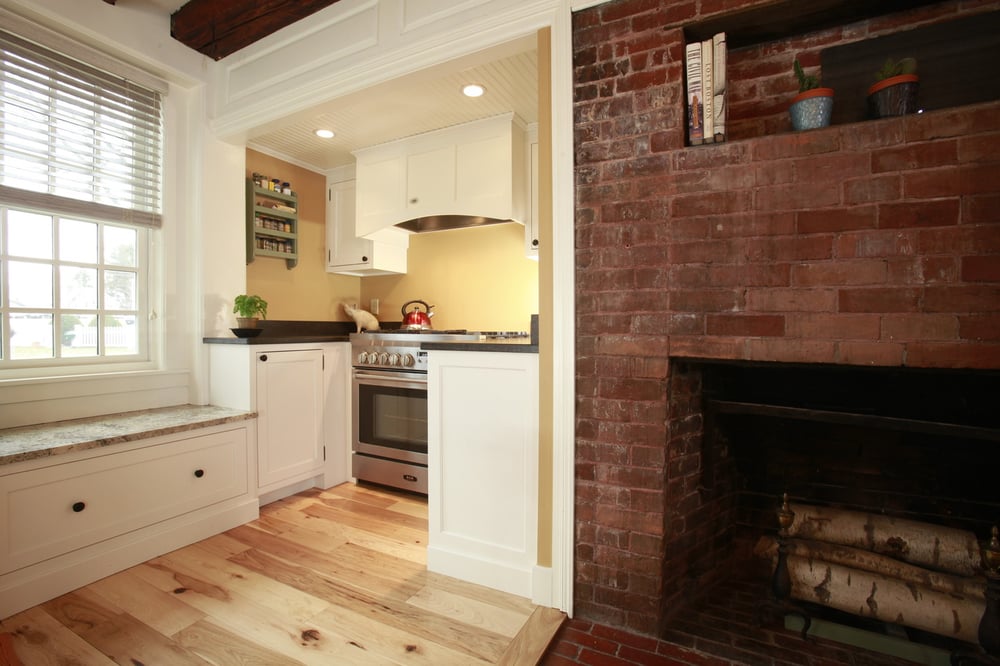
478 169
346 253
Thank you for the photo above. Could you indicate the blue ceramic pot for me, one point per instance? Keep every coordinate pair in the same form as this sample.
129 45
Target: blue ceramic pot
812 109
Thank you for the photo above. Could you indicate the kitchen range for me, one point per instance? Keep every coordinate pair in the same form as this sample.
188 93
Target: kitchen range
389 398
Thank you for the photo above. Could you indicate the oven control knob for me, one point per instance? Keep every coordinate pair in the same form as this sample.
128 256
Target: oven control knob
393 359
383 358
406 360
362 358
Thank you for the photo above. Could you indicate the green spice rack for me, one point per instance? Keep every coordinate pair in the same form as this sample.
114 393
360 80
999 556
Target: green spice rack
271 231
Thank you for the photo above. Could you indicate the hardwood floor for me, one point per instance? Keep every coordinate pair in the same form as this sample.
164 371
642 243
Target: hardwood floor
323 577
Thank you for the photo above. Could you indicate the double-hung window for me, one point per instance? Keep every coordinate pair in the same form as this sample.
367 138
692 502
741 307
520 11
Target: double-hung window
80 172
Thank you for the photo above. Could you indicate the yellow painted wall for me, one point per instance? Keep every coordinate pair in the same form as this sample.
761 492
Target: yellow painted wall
477 279
306 292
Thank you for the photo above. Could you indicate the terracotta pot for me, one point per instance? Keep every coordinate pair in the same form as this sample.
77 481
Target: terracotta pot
811 109
894 96
247 322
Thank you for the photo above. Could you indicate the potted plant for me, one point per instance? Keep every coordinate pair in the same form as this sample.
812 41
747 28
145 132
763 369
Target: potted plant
249 309
812 107
894 92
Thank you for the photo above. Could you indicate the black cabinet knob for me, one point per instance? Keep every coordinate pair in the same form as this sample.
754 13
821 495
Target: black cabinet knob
534 243
199 473
364 260
79 506
263 357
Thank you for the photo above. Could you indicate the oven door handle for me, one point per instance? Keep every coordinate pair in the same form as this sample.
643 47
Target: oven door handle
386 379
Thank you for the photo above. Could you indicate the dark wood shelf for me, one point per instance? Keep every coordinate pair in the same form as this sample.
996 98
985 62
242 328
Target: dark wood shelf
787 18
849 418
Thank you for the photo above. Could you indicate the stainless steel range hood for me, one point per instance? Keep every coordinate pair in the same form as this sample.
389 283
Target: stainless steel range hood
430 223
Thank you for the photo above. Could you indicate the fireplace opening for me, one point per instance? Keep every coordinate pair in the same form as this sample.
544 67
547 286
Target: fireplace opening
920 446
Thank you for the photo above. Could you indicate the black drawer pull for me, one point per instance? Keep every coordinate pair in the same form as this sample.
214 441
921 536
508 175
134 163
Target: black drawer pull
199 473
410 478
79 506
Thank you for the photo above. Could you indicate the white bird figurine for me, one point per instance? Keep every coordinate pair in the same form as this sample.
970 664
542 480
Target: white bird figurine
364 319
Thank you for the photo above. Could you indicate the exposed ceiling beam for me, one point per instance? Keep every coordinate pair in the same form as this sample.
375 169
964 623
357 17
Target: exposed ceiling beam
217 28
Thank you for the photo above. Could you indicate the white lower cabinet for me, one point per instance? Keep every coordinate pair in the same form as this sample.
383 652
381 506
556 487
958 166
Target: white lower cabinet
483 468
299 392
289 415
50 511
70 519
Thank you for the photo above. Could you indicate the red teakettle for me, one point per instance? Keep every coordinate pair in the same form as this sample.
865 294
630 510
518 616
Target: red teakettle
416 318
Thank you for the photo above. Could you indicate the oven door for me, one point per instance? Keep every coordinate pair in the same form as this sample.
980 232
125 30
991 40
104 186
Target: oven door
390 415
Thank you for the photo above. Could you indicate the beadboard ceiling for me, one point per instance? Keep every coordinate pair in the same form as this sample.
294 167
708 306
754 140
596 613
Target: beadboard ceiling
428 100
425 101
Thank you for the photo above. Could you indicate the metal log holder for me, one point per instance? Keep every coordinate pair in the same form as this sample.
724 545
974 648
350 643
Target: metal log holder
989 625
781 604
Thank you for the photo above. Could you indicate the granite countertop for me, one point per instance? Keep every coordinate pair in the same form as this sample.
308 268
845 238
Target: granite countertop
49 439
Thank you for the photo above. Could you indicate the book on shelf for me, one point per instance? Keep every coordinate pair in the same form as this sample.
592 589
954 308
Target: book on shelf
719 107
705 66
695 95
708 88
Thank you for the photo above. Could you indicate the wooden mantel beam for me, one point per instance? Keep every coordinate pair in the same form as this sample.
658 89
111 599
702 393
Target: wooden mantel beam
218 28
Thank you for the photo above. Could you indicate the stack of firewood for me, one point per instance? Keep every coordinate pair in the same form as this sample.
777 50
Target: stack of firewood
898 571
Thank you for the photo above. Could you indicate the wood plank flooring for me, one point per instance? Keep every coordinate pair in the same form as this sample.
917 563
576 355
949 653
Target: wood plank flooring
322 577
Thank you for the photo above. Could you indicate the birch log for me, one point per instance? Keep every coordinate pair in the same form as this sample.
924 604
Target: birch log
818 551
873 595
925 544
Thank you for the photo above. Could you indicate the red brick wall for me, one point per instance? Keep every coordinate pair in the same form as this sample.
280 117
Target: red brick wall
873 243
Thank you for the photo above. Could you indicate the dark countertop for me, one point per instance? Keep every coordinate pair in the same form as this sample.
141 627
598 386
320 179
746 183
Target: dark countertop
313 332
516 345
277 332
265 339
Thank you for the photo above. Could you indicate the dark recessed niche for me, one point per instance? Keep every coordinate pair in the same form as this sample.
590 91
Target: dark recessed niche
788 18
956 63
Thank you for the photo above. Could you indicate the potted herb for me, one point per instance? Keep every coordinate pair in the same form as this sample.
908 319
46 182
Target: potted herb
249 309
812 107
894 92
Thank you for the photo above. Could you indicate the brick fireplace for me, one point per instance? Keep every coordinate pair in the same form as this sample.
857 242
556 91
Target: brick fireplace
860 248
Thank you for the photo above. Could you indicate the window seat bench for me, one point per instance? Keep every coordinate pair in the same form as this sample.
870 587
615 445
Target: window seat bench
83 499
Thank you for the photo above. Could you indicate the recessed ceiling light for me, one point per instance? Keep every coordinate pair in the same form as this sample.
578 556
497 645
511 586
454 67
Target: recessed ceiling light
473 90
324 133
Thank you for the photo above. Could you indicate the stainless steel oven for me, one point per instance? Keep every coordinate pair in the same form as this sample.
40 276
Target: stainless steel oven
389 405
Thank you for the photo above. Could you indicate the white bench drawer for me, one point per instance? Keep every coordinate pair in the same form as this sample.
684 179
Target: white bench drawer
53 510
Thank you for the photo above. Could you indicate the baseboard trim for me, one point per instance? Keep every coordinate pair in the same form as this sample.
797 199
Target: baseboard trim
38 583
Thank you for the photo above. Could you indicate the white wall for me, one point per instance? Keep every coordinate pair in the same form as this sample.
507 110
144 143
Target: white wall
140 37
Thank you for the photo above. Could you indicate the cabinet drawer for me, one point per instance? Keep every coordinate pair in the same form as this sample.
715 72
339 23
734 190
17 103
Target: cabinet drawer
50 511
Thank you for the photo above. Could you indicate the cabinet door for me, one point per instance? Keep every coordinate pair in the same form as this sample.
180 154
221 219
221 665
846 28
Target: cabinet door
484 175
289 415
482 467
531 241
430 181
381 192
343 246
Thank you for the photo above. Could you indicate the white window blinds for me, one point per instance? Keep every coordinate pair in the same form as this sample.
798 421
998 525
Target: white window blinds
77 140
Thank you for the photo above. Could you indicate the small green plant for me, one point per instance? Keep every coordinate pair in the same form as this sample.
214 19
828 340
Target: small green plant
245 306
806 82
892 68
